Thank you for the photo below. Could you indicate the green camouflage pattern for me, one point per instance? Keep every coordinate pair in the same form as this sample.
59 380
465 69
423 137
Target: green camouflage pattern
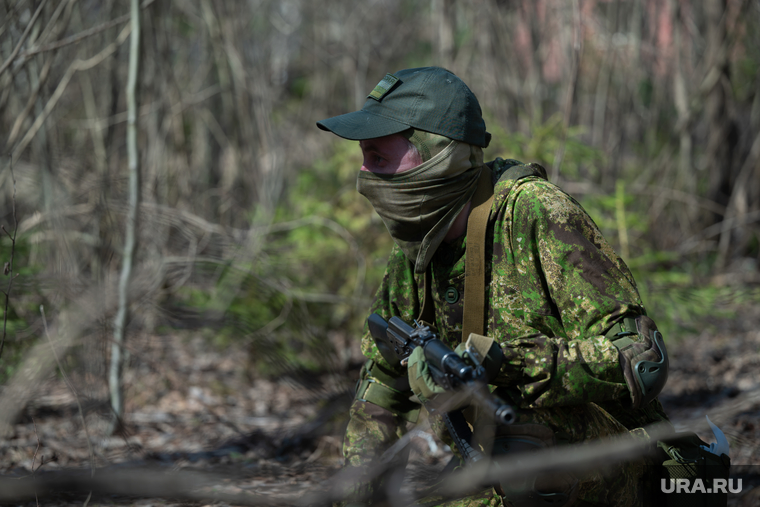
555 287
420 379
370 432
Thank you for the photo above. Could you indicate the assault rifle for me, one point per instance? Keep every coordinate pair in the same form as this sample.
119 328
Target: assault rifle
396 340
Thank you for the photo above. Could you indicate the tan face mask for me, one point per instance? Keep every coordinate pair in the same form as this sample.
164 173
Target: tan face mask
428 144
419 206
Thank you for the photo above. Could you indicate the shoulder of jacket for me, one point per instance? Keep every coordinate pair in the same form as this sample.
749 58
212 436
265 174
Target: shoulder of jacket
509 174
505 171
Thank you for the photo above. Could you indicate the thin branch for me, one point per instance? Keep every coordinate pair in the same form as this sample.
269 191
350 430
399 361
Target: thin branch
34 458
115 372
71 388
579 457
23 37
8 267
739 190
727 224
559 154
52 29
10 14
53 22
44 73
75 66
146 109
78 37
77 317
661 192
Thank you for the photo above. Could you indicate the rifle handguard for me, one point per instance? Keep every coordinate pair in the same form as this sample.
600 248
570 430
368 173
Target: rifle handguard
396 340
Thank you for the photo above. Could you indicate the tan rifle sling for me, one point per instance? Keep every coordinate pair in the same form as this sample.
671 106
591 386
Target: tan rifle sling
475 263
474 317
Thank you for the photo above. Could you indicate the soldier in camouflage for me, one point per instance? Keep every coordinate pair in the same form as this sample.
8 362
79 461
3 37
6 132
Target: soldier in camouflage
560 304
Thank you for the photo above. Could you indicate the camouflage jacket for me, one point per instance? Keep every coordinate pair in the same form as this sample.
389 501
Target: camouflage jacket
555 288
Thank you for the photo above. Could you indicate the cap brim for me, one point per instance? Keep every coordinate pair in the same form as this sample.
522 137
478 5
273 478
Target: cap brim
361 125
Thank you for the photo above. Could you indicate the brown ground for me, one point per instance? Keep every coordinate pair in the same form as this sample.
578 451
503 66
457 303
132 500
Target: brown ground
194 408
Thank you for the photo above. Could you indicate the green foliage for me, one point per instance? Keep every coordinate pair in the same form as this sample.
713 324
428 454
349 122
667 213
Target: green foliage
19 304
299 87
183 26
646 92
746 76
683 305
321 261
542 144
328 228
13 353
672 290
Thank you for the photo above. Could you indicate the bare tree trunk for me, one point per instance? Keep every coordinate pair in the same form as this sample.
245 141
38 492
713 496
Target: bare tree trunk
722 134
41 143
533 78
444 30
559 154
115 375
686 177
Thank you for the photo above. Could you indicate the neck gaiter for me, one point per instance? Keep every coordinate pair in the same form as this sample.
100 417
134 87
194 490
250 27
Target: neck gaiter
418 206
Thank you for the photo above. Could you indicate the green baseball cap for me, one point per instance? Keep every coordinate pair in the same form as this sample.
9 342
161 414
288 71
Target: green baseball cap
426 98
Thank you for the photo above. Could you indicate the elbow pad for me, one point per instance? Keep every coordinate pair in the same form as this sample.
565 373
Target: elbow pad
643 358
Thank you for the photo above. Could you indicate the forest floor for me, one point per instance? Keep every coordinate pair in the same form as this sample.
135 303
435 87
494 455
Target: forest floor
197 409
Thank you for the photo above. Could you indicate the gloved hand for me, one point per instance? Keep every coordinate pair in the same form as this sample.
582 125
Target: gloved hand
478 350
420 379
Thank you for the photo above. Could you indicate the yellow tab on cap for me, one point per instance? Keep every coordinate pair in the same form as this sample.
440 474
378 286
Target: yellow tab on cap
383 87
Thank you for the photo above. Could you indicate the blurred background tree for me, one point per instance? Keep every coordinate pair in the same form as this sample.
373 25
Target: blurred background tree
251 229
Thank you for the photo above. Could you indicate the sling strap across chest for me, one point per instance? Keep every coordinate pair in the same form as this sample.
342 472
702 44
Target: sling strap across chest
475 313
475 262
473 320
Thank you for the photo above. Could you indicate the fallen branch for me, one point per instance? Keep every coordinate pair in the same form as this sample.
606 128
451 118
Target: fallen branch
142 482
150 482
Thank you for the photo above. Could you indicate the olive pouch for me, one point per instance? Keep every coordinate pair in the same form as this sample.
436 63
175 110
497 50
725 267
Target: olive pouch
691 475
